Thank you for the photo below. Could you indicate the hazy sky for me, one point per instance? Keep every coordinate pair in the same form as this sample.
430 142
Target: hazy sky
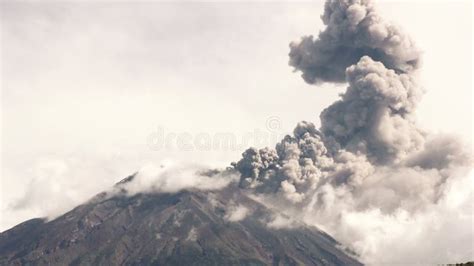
85 85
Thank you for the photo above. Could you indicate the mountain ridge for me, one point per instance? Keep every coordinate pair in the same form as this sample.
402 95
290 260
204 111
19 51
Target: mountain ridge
189 227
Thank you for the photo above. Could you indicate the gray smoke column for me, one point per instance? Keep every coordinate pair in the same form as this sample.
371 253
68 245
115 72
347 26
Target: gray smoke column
369 167
353 29
376 113
372 124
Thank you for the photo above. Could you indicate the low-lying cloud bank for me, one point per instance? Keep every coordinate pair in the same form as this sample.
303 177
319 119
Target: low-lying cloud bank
173 177
60 184
369 175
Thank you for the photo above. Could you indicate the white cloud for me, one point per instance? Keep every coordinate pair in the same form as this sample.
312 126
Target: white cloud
236 213
173 177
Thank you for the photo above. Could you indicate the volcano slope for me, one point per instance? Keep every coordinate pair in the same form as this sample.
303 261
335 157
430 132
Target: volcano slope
190 227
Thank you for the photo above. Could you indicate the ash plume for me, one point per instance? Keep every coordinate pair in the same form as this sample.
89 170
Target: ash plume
376 113
369 166
353 29
369 175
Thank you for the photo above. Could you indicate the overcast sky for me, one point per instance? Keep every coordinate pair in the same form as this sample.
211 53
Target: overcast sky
86 85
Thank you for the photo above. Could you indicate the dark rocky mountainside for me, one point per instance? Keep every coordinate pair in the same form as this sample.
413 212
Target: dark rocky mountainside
185 228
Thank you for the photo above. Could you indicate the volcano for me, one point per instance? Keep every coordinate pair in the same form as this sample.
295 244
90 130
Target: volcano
189 227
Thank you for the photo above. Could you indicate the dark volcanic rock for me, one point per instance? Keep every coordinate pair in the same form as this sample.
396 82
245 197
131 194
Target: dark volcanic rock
185 228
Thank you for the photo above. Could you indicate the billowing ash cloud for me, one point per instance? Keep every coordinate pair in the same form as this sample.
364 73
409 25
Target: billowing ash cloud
353 29
369 167
375 114
371 130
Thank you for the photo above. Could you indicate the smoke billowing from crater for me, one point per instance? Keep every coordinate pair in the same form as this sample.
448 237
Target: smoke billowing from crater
369 175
